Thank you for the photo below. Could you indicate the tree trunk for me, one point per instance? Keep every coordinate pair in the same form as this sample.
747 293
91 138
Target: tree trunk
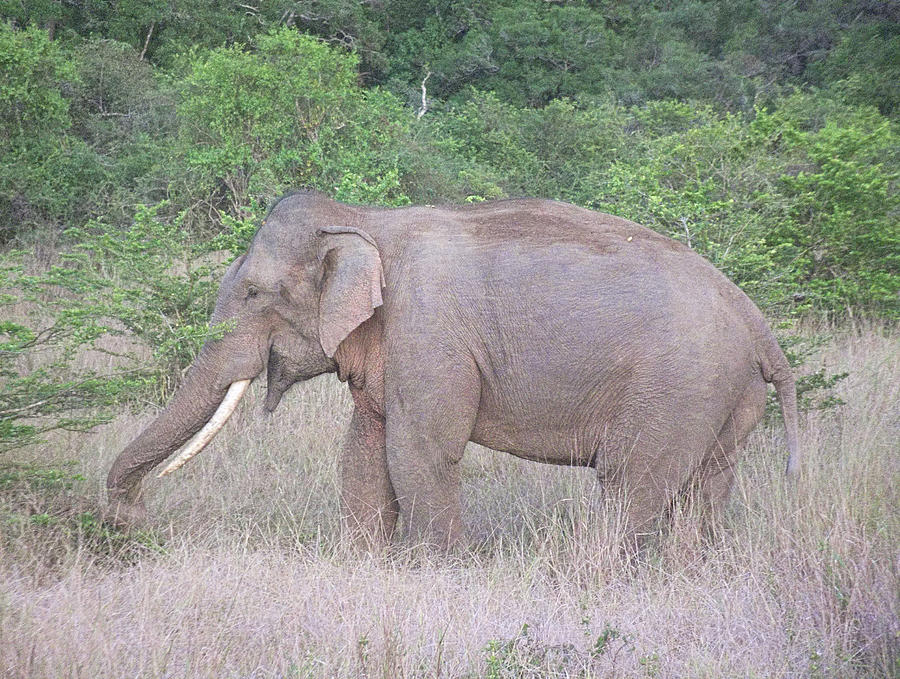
147 41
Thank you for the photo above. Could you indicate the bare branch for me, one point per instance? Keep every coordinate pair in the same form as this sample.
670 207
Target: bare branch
6 414
424 108
147 41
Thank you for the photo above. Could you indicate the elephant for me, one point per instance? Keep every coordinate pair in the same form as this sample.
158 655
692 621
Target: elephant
534 327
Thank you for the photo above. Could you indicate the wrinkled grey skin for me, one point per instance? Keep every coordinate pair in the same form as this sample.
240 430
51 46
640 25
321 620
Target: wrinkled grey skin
533 327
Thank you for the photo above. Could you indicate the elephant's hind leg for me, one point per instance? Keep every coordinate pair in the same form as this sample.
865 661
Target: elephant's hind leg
645 491
715 477
650 475
667 447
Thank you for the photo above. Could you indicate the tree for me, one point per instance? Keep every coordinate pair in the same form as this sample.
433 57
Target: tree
138 297
40 161
289 113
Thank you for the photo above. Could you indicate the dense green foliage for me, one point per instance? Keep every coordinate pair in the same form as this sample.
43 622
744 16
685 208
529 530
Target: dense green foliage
288 114
137 135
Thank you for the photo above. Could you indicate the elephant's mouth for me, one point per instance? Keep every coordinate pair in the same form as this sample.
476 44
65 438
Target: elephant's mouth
273 398
277 380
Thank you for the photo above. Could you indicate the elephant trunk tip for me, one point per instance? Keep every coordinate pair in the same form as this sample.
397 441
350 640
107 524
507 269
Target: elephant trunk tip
122 512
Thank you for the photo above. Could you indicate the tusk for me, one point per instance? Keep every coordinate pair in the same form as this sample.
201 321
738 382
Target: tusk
211 428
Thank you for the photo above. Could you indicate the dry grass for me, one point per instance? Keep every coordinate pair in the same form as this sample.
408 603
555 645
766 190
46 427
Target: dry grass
245 575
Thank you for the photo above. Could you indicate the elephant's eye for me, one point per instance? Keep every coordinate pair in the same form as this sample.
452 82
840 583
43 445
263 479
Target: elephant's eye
252 291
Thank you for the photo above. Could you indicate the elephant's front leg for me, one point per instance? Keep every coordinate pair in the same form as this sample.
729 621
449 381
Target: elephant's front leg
431 410
369 508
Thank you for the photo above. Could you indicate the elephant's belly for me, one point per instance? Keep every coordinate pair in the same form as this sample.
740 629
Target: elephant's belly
541 444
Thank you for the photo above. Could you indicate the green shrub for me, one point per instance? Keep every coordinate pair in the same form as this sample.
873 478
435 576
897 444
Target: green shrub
841 214
42 165
498 149
125 112
150 285
799 211
288 113
864 65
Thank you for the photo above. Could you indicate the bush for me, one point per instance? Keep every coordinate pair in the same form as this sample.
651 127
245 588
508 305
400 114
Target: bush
498 149
150 285
289 113
801 213
125 112
42 166
841 215
864 66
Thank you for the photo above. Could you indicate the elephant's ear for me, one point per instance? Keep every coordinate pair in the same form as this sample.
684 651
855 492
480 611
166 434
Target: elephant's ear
351 285
232 270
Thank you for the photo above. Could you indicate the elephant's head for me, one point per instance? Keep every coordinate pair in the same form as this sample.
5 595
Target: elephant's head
303 286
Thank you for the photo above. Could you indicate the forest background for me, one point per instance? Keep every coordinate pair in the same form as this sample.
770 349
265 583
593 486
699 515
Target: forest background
142 141
135 135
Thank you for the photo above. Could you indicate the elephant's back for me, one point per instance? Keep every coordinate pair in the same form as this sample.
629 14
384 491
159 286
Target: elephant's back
542 221
551 269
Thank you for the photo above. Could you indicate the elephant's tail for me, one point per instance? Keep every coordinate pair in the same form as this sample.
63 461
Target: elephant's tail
777 370
786 391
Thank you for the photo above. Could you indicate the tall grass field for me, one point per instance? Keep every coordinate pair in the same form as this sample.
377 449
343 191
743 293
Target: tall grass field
242 572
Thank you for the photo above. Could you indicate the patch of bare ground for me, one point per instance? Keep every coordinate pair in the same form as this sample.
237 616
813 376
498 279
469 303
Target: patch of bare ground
243 573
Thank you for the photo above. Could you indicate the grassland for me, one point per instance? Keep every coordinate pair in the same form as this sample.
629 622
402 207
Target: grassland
242 572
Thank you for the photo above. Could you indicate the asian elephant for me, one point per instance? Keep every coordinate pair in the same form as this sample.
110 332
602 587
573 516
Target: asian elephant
529 326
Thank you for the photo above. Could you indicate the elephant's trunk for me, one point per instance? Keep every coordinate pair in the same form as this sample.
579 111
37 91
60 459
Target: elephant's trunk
195 403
